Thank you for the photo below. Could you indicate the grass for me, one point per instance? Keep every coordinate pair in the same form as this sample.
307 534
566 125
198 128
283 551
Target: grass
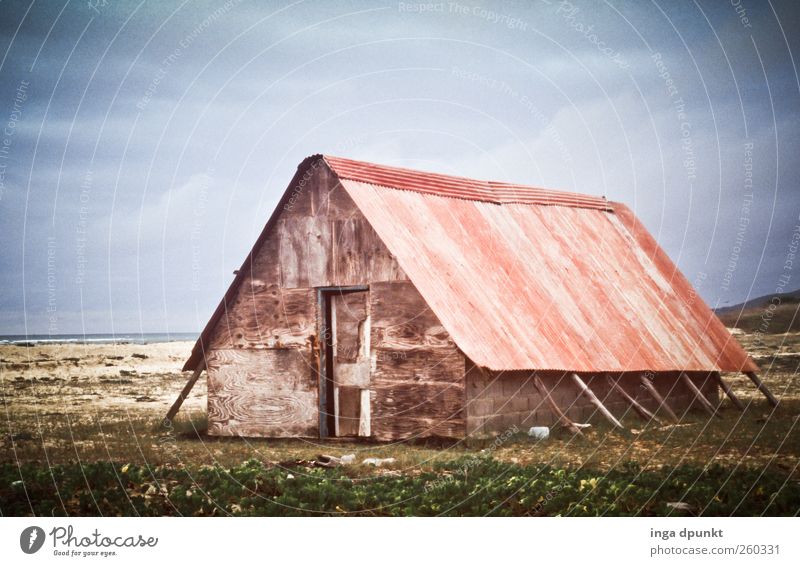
86 446
757 437
476 486
741 464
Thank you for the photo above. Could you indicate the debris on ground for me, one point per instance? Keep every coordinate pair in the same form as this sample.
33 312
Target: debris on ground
378 462
539 432
326 461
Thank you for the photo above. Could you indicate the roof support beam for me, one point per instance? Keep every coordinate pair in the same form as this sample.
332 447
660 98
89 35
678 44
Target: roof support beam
698 394
659 399
644 413
185 392
595 401
568 424
728 391
763 388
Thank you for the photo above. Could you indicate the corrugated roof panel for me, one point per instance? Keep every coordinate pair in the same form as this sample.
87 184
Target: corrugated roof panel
457 187
521 286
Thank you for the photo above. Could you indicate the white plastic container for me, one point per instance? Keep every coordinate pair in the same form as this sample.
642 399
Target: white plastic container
539 432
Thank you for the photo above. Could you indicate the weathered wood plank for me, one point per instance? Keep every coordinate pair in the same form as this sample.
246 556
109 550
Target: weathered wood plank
173 410
643 412
414 427
432 400
411 336
659 399
288 369
350 312
271 413
325 240
364 424
266 264
728 391
419 365
763 388
352 375
303 252
356 251
563 419
398 407
349 411
402 320
272 392
709 408
266 316
595 400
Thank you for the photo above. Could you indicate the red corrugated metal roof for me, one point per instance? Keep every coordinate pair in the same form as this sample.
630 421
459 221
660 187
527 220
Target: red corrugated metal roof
577 284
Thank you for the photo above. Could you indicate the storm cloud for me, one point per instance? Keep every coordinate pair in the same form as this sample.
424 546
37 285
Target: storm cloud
144 144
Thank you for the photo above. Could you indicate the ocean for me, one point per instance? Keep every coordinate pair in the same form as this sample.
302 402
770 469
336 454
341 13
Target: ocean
122 338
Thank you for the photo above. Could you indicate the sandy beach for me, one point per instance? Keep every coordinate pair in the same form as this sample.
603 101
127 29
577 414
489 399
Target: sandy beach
82 381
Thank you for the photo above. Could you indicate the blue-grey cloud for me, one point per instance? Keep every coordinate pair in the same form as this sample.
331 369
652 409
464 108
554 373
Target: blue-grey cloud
152 139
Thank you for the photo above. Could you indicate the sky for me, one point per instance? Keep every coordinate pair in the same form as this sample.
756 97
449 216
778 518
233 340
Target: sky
145 144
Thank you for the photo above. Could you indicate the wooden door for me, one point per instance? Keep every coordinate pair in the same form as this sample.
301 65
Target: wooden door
351 363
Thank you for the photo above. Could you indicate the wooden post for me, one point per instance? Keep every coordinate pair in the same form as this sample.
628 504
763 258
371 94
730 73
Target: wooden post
728 391
364 417
571 426
185 393
595 401
659 399
763 388
643 412
698 394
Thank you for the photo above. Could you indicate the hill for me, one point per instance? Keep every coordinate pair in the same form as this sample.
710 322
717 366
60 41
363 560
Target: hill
769 314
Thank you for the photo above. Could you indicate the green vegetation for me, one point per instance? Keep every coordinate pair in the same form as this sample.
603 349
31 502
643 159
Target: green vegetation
89 445
467 486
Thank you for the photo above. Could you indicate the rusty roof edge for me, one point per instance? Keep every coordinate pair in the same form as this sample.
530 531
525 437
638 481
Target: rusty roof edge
490 188
368 164
496 201
199 348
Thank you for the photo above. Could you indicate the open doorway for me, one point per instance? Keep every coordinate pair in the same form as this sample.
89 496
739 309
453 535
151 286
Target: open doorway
345 362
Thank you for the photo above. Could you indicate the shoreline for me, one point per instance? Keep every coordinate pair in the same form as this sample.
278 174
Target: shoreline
122 338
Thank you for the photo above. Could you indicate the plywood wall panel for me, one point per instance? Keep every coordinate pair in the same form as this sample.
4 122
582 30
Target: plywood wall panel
271 392
267 316
418 365
417 382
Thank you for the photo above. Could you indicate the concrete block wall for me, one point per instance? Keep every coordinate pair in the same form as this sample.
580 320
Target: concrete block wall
499 401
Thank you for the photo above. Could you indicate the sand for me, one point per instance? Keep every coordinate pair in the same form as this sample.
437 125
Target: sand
73 379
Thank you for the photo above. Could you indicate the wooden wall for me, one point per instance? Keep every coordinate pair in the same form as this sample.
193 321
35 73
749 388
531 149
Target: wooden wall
417 381
263 356
246 397
498 401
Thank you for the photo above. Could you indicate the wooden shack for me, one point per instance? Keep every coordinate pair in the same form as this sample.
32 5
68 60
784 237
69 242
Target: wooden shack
389 303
